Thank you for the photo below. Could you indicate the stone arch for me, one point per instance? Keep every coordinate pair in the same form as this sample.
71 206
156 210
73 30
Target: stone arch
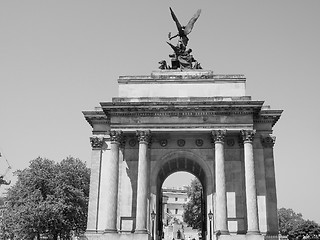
188 161
182 160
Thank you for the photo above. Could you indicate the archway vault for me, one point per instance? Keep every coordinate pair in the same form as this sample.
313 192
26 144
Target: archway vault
182 160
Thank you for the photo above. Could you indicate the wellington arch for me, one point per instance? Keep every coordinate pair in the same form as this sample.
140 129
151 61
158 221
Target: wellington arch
182 120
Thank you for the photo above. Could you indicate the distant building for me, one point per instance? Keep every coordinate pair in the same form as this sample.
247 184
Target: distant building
173 200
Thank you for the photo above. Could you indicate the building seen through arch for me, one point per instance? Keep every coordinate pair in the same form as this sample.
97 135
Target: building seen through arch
174 200
182 120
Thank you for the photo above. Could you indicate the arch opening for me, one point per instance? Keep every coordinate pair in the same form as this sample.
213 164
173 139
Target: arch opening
165 229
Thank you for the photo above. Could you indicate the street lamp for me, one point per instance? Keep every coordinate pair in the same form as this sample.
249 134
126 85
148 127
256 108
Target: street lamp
153 216
210 215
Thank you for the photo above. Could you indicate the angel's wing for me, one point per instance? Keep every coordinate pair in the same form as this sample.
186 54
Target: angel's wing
190 24
175 49
176 20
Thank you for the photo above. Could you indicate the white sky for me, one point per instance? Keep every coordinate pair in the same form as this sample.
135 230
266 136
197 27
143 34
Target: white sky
58 58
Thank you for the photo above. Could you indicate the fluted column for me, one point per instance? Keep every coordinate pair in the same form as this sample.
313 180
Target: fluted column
142 189
221 198
251 193
112 182
92 223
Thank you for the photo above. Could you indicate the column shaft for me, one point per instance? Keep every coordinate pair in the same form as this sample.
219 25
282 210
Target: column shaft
142 188
251 194
112 182
112 193
221 198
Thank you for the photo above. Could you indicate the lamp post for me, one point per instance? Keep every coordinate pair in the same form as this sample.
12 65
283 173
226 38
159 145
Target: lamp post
210 215
153 216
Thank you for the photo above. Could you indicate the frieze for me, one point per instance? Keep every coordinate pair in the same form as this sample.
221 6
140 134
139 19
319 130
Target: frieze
199 142
144 136
268 142
96 142
219 135
247 135
181 142
163 142
132 142
230 142
183 126
179 112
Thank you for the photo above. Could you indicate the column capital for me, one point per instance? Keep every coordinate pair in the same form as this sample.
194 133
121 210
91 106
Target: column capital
97 142
218 135
247 135
116 136
144 136
268 141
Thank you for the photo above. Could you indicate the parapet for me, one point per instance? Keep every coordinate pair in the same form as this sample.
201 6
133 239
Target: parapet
177 83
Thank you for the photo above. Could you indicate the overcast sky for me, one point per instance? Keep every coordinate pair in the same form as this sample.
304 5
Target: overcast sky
58 58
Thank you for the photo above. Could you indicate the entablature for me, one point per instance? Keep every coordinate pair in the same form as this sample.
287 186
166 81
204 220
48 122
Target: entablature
268 116
181 108
96 117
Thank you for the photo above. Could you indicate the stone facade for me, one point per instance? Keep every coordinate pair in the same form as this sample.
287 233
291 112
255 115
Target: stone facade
172 204
191 121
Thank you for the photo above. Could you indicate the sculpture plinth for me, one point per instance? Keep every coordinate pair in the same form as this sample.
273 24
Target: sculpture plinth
188 83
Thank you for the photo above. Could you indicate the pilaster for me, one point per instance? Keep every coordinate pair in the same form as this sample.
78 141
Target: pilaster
271 194
94 196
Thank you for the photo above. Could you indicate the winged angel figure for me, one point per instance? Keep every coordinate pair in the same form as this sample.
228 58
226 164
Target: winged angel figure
183 31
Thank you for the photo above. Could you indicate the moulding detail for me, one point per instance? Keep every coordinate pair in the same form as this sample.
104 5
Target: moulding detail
247 135
268 141
218 135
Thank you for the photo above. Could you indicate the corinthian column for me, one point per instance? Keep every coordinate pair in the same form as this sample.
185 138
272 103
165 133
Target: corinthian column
142 190
112 182
221 199
251 194
96 143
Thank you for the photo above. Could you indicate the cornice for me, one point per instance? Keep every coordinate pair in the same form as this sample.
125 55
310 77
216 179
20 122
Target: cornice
165 76
268 116
96 116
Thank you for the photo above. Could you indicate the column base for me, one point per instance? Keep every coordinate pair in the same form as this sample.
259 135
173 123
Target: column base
110 231
253 233
141 231
222 232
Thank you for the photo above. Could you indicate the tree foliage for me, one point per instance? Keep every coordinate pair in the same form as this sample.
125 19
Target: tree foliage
293 225
48 199
192 209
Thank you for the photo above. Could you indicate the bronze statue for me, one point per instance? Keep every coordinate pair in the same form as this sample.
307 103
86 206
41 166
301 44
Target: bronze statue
183 31
163 65
182 58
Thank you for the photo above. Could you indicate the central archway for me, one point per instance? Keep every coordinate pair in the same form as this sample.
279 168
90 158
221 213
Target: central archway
182 161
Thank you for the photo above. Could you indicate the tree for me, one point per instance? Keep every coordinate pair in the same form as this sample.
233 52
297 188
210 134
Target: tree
48 199
293 225
192 209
